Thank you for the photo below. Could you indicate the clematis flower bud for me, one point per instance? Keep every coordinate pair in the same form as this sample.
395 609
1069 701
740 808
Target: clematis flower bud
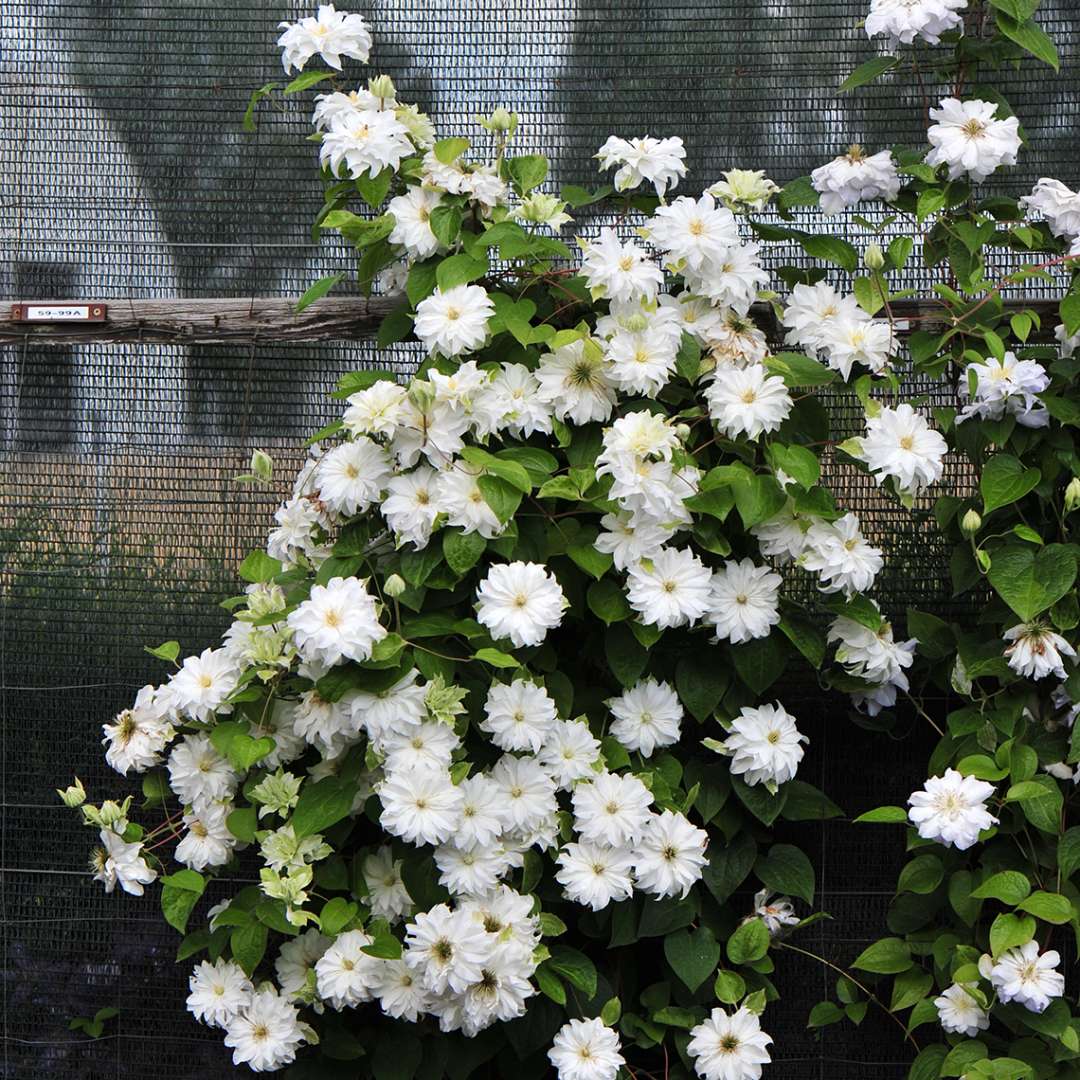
874 257
72 796
382 86
970 523
1072 495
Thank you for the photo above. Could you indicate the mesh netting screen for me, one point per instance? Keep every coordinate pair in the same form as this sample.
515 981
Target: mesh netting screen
124 173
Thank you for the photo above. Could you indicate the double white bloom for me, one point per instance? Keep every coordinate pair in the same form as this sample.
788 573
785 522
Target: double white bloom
952 809
968 138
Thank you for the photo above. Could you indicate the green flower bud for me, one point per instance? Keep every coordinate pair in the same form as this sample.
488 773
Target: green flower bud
422 395
394 586
1072 495
500 122
262 464
276 793
874 257
72 796
970 523
382 86
112 815
265 599
543 210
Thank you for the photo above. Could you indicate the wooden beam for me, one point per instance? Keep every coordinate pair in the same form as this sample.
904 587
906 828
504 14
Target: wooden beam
204 322
269 320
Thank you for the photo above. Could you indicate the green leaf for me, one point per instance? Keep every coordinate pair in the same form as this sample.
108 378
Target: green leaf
859 608
527 171
935 637
373 189
243 824
449 150
170 650
560 487
551 925
676 1016
461 550
884 815
445 222
824 1013
1008 931
248 945
868 72
1030 581
384 946
231 740
1020 10
1050 907
960 897
1070 313
513 472
1068 852
575 196
760 662
575 967
730 987
748 943
831 249
360 232
1008 886
889 956
797 370
761 802
501 496
395 327
927 1065
688 358
264 91
336 914
259 567
177 905
900 250
929 202
593 562
318 291
785 869
729 867
909 987
693 955
700 680
1005 480
354 381
922 875
799 463
1043 809
758 498
187 880
610 1013
805 802
550 984
626 657
496 658
459 270
322 804
1030 38
306 80
607 602
804 634
797 192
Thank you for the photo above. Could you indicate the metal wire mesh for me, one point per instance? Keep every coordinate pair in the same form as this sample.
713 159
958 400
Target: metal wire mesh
124 172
